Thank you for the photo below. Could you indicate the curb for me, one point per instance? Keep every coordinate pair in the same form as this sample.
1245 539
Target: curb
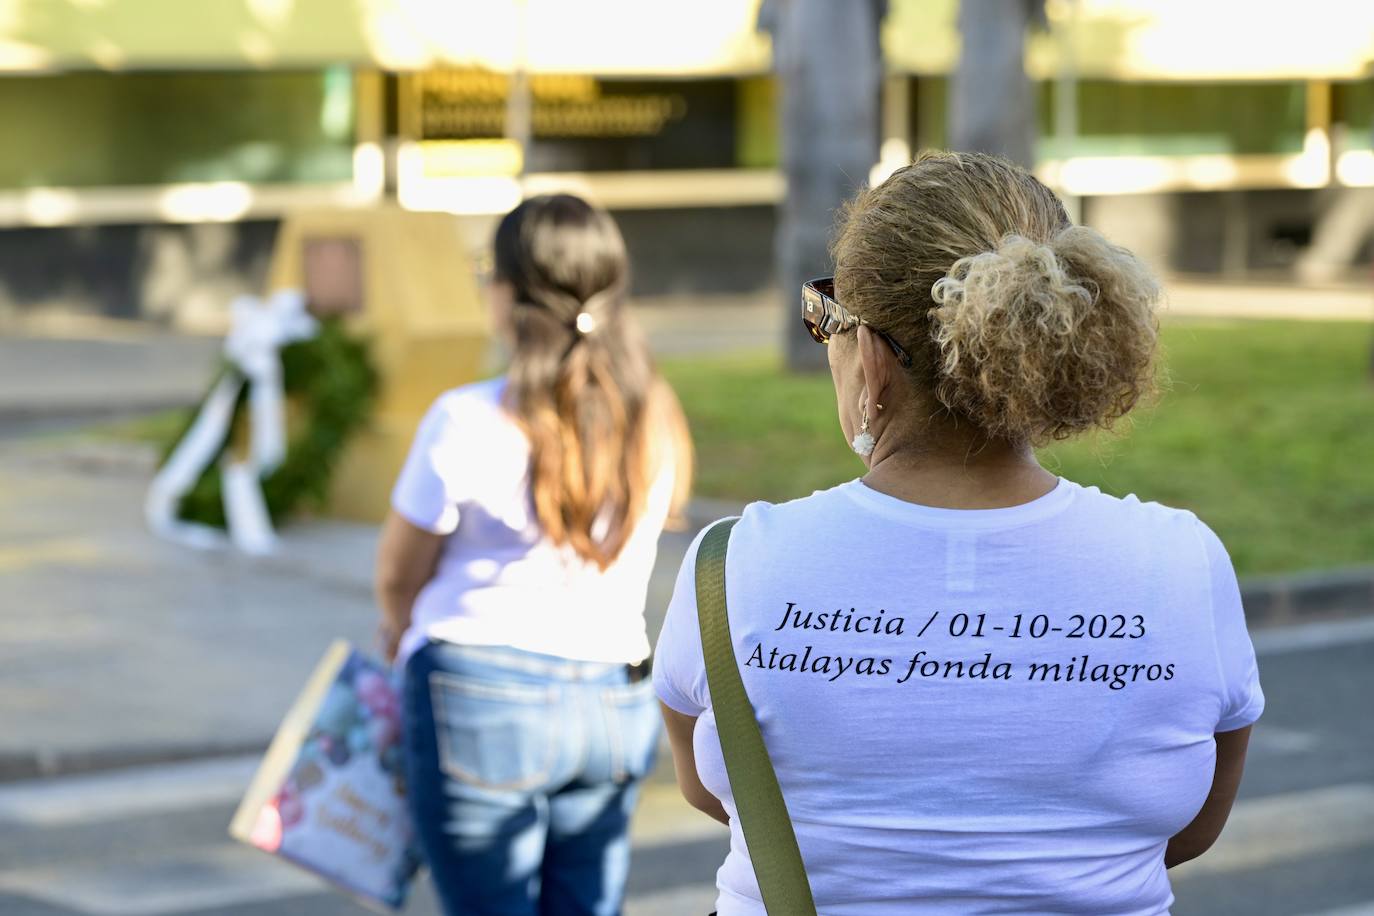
89 411
1278 600
21 767
42 764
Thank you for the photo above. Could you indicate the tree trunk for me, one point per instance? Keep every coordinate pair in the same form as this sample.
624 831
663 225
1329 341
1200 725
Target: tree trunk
829 66
991 109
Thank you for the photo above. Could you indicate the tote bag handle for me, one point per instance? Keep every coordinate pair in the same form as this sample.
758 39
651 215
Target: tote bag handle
758 800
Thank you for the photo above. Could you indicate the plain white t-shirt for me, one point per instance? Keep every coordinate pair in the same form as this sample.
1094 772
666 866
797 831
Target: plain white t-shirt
500 580
1073 657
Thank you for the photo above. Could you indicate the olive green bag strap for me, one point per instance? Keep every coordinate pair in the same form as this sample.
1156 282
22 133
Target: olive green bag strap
758 799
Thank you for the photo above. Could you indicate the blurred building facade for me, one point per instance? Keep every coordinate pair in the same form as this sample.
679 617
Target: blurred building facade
153 146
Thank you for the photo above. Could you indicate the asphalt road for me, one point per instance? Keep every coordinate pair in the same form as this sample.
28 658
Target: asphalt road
152 841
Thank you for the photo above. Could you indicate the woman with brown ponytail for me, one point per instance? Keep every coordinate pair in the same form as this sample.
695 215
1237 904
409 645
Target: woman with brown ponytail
512 575
984 688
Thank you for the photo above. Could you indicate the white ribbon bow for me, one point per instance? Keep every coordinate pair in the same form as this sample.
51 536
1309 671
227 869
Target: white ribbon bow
257 333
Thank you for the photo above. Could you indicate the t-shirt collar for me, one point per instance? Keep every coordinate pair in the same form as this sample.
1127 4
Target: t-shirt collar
938 517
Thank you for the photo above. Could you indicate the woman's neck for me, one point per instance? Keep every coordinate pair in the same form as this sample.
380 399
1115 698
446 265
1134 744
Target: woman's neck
995 476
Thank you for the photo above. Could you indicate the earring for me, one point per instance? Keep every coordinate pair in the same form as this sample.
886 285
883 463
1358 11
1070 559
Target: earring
864 442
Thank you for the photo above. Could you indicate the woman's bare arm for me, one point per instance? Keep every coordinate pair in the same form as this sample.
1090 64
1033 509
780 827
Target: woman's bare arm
1195 839
406 557
680 728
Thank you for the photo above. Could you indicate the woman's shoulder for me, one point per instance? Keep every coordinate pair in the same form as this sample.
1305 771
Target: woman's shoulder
818 504
484 394
1174 535
763 522
474 403
1133 511
465 416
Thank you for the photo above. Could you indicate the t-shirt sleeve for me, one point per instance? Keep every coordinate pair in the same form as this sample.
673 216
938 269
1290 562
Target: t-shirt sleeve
679 669
426 492
1242 698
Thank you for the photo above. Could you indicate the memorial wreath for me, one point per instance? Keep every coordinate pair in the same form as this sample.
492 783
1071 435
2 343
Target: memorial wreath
275 352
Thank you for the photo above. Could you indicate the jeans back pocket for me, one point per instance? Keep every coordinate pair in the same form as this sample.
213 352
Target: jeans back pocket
494 735
633 721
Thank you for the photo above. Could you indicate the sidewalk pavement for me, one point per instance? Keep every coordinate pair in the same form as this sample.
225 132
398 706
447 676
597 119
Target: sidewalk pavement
93 369
121 648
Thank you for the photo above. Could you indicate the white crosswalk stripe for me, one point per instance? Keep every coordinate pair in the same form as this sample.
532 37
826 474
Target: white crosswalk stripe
1275 740
689 900
195 879
217 871
1309 636
126 793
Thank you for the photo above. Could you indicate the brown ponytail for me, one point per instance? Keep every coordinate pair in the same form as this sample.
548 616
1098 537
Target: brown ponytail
600 420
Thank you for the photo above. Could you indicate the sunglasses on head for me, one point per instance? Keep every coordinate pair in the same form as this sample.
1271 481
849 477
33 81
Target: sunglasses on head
824 317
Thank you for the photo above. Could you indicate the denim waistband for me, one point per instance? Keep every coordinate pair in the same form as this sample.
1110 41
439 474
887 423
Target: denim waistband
535 663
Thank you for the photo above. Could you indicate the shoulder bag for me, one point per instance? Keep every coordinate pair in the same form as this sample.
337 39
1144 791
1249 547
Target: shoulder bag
758 800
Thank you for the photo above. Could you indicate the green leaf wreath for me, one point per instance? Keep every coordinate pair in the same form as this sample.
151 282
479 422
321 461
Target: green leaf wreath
332 376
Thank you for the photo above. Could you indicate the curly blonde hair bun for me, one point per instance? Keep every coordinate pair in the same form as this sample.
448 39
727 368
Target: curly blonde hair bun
1030 327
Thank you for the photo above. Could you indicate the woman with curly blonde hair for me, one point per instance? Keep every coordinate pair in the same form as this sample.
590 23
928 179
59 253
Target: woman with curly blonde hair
984 688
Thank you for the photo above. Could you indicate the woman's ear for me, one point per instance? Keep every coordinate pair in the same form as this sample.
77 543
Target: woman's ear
877 360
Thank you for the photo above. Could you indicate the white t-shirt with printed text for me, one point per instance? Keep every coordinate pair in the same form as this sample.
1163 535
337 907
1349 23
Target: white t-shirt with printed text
500 580
973 711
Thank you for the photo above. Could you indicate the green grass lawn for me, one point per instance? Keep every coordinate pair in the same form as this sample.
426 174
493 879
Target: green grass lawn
1266 431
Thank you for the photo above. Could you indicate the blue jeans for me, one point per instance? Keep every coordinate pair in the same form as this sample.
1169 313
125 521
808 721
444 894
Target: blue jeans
522 771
